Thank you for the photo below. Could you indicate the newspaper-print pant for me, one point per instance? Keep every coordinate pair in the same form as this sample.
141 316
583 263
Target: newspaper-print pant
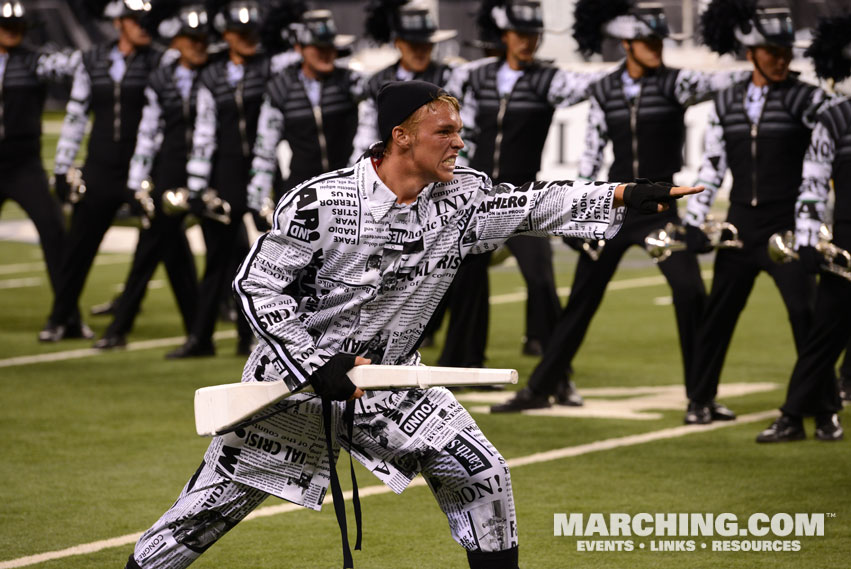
468 477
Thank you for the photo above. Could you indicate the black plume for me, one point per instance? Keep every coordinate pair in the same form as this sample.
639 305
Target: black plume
95 7
831 36
487 27
379 19
590 16
719 21
278 15
160 10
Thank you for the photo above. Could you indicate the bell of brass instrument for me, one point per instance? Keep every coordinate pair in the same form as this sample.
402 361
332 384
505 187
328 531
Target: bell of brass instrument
77 185
836 260
593 248
661 243
176 202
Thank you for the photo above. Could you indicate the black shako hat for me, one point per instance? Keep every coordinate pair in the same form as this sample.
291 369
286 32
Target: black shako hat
398 100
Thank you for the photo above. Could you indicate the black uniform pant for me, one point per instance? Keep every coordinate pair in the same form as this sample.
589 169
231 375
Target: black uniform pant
165 240
812 387
23 180
735 272
224 242
468 301
845 368
92 217
681 270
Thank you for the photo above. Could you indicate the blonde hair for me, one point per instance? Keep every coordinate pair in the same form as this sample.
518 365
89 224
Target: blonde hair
412 123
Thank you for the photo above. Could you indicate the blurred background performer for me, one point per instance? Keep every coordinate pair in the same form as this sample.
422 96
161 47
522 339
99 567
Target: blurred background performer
23 76
110 84
845 374
228 104
760 129
411 29
644 90
312 104
812 386
507 107
162 150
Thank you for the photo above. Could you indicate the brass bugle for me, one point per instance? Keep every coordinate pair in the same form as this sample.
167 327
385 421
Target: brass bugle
176 202
835 259
661 243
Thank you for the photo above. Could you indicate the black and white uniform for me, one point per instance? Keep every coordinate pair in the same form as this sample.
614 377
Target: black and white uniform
644 120
367 133
111 87
317 117
507 116
812 386
761 134
227 109
23 74
311 291
162 150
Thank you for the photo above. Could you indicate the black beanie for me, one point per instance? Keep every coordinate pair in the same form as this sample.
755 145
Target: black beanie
398 100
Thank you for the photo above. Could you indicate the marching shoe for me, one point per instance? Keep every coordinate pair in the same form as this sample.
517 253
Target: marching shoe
720 412
828 428
525 399
697 414
533 347
566 394
76 330
785 429
845 388
51 333
104 308
111 341
193 348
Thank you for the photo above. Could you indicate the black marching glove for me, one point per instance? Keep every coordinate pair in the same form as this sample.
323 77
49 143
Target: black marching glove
644 195
135 205
61 187
260 221
331 380
811 259
696 240
197 207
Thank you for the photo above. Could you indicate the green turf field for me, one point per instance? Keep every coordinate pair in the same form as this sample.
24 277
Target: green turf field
96 447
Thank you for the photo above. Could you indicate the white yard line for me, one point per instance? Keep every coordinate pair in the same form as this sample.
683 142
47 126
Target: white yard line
536 458
25 282
624 284
16 268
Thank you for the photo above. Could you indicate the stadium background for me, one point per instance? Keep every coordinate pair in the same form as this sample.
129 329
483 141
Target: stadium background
96 445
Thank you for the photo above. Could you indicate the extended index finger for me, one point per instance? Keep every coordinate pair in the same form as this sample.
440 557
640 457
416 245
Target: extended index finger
678 191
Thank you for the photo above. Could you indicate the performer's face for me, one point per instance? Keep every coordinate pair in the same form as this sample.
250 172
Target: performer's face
242 43
193 50
317 60
130 29
415 57
11 35
520 46
771 61
647 51
436 142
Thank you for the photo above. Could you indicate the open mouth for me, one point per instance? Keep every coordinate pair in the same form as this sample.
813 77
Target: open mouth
449 162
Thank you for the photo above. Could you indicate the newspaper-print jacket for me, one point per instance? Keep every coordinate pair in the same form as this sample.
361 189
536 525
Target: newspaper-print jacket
347 269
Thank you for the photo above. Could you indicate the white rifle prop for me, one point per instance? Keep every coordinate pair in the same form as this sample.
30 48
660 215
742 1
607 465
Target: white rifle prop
220 407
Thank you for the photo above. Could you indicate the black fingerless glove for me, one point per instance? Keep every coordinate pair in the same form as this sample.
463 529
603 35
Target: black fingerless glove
331 380
260 221
644 195
810 258
696 240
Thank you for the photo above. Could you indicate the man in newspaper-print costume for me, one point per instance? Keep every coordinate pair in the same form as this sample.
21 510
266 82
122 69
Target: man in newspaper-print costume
318 302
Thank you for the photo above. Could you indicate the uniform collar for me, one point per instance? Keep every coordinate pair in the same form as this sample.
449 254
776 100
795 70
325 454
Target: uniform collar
379 198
